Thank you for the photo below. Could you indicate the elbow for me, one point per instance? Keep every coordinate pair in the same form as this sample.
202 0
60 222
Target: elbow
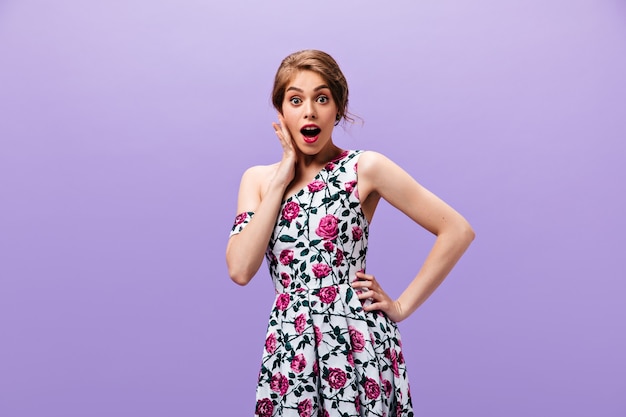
467 233
238 269
239 276
239 272
240 280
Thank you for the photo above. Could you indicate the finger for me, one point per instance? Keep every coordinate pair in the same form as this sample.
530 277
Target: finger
283 126
278 130
280 118
366 294
360 283
363 275
374 306
284 141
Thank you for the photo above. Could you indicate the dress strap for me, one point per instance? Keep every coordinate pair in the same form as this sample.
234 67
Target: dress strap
241 221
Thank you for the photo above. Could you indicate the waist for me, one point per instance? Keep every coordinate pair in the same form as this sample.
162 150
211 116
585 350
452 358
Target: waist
307 289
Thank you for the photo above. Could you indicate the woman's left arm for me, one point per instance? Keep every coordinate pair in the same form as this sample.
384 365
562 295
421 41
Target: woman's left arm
379 176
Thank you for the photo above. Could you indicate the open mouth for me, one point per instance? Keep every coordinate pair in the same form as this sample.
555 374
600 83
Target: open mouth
310 131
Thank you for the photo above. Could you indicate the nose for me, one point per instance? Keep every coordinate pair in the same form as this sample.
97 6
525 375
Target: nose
309 111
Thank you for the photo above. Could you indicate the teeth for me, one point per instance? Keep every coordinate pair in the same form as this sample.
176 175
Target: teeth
310 131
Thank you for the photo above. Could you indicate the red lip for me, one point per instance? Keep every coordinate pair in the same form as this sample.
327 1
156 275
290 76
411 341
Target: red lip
310 137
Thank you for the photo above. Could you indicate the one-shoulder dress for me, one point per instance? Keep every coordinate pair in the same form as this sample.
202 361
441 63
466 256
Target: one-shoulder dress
324 356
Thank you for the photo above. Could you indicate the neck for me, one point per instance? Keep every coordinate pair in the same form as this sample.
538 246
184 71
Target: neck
319 159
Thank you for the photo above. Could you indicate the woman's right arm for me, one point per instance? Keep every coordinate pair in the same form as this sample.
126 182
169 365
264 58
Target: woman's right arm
245 250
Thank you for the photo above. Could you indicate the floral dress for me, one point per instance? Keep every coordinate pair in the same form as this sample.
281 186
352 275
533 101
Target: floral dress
324 356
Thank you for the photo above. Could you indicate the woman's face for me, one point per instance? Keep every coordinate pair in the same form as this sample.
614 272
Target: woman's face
309 112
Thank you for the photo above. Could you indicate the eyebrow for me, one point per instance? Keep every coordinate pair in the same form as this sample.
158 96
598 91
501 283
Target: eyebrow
321 87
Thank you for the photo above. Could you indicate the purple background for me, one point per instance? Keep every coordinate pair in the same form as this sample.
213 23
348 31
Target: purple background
125 127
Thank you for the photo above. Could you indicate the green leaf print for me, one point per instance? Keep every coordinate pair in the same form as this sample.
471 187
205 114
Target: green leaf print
315 341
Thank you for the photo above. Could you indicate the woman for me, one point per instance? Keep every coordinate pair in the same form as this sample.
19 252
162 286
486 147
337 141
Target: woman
332 346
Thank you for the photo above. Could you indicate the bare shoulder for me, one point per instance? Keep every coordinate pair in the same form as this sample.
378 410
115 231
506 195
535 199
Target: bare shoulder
375 168
371 161
253 183
258 176
258 172
379 175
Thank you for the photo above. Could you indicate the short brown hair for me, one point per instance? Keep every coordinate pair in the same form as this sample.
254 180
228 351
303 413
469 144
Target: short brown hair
321 63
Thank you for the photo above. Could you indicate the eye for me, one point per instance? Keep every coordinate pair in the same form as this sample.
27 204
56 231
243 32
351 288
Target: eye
295 100
323 99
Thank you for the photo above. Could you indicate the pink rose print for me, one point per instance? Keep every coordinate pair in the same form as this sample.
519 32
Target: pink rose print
318 335
286 279
401 358
282 301
270 343
341 156
264 407
392 356
350 358
323 413
389 353
357 233
316 185
328 245
305 408
328 229
291 210
349 186
357 404
330 166
320 270
327 294
336 378
399 409
372 390
316 368
395 369
240 218
339 257
387 387
356 339
298 363
300 323
279 383
286 256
